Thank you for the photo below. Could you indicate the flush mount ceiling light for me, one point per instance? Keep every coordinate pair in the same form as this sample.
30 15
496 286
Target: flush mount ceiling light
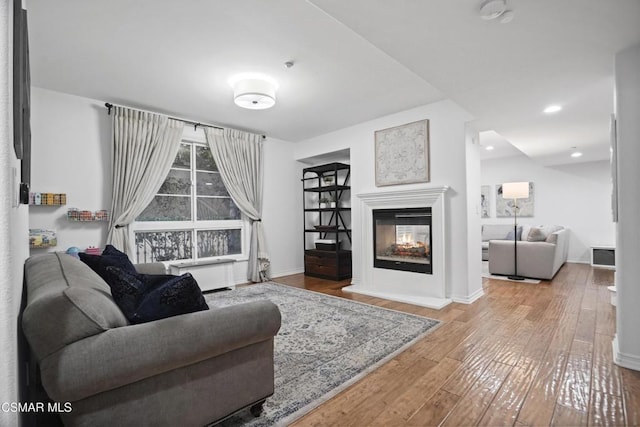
552 109
489 147
492 9
253 91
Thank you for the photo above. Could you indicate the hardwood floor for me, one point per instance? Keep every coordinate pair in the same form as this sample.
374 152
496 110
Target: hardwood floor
521 355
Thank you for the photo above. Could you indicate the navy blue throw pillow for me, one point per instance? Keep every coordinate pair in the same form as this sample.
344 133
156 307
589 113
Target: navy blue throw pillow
111 257
128 289
180 295
147 297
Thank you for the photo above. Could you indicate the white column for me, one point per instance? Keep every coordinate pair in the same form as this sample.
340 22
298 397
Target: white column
626 345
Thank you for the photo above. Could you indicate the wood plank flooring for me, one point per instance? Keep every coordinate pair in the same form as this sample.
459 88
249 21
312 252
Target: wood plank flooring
522 355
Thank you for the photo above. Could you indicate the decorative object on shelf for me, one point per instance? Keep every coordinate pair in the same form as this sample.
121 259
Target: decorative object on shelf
332 201
505 206
74 214
92 250
47 199
328 244
328 180
402 154
74 251
324 202
39 238
485 201
515 191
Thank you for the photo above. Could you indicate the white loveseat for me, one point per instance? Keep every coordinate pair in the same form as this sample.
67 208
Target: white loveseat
542 250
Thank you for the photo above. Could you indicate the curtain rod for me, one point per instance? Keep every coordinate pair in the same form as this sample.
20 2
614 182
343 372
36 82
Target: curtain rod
195 124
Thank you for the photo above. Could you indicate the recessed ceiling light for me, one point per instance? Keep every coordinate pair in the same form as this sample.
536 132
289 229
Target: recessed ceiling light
552 109
489 147
575 153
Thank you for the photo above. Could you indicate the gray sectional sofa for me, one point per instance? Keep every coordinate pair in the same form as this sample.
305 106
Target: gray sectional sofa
539 257
188 370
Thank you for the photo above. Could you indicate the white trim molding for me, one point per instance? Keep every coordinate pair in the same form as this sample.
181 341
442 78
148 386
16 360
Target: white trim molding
468 299
628 361
427 290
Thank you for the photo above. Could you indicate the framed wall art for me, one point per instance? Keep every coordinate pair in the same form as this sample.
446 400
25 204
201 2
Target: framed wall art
506 207
402 154
485 201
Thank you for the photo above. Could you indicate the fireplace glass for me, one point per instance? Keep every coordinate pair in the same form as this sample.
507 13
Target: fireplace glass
402 239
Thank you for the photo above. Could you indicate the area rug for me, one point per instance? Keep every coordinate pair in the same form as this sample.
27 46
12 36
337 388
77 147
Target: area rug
325 344
485 273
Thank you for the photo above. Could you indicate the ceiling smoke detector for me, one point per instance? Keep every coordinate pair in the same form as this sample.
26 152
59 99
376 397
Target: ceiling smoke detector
493 9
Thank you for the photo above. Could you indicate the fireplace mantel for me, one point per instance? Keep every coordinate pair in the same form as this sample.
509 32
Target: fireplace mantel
427 290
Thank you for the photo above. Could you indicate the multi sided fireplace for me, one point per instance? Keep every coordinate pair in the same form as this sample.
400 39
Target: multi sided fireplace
402 239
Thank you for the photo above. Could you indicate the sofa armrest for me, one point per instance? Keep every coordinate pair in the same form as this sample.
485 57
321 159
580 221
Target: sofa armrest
127 354
151 268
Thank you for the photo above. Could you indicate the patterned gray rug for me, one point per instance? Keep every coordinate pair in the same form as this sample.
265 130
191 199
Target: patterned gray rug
324 345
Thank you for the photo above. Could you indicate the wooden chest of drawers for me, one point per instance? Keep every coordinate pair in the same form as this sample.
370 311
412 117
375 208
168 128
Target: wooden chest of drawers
335 265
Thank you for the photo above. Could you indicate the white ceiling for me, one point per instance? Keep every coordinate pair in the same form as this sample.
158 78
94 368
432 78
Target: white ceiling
354 61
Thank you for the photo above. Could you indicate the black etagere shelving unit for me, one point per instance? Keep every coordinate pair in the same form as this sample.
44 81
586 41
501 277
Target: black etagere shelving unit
327 219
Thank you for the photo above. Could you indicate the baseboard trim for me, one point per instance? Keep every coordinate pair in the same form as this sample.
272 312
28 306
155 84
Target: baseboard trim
429 302
625 360
469 299
287 273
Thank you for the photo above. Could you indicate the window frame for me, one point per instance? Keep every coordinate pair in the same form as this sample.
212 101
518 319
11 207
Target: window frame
196 137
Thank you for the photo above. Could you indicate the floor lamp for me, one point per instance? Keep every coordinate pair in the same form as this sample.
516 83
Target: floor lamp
515 191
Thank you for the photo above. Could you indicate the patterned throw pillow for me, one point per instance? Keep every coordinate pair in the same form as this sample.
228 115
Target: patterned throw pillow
147 297
111 257
536 235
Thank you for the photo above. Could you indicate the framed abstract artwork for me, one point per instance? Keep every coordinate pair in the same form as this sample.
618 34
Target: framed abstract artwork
506 207
402 154
485 201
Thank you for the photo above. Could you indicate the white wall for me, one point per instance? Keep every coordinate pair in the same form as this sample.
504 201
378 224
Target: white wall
14 241
576 196
448 167
473 176
72 155
627 342
281 213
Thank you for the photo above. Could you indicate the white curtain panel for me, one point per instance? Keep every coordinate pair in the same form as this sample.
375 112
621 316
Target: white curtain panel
238 156
144 148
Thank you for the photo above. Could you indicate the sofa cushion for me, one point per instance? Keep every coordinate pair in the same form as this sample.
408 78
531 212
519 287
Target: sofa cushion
536 234
66 302
111 257
148 297
518 234
552 238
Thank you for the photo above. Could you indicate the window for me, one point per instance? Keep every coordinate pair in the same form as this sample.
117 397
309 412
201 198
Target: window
192 216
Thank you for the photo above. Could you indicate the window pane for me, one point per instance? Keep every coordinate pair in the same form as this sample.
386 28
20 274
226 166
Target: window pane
167 208
210 184
219 242
183 158
177 182
217 209
163 246
204 159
